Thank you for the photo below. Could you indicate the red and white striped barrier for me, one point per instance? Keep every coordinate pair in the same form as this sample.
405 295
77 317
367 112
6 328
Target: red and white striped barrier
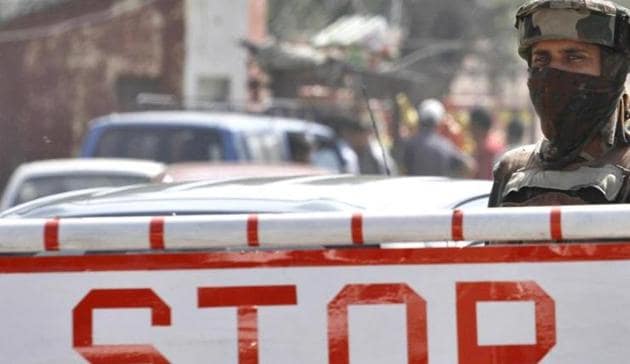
314 229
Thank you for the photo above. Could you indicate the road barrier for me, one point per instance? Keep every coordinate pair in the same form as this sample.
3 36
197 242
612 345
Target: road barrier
314 229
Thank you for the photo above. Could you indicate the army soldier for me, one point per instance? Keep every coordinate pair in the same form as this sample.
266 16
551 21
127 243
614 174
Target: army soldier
578 53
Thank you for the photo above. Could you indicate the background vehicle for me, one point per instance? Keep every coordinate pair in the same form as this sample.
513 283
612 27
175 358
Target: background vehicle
184 136
265 195
196 171
37 179
328 151
181 136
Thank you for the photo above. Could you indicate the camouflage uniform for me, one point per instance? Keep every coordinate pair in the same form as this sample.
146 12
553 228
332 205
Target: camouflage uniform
575 110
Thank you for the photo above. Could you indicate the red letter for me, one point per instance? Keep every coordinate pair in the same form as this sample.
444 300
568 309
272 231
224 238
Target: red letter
247 299
470 352
376 294
117 298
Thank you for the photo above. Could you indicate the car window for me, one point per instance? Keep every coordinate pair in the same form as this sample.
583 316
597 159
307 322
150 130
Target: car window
319 151
44 186
264 147
326 155
168 145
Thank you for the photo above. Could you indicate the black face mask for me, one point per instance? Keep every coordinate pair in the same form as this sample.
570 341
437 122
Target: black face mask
573 109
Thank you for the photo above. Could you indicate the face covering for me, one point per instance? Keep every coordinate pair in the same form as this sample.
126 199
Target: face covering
573 109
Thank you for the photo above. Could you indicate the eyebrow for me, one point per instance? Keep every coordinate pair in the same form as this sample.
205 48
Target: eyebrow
565 51
575 50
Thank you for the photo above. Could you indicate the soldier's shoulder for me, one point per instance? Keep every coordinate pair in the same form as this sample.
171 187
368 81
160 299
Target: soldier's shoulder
514 159
624 157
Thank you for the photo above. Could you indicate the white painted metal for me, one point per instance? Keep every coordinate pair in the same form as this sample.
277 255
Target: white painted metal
104 234
407 227
305 229
592 319
609 221
317 229
204 231
532 223
21 235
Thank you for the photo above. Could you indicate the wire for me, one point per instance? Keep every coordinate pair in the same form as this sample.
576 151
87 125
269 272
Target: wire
388 171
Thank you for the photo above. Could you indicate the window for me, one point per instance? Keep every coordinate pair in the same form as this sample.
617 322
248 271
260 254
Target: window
50 185
214 89
264 147
167 145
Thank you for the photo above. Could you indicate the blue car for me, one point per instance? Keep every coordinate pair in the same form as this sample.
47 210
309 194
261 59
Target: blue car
184 136
179 136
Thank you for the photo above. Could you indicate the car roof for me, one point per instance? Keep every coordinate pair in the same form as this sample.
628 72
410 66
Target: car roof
206 119
260 195
298 125
107 167
240 121
53 167
195 171
185 118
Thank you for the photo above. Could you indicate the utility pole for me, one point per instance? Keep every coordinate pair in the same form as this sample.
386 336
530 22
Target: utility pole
395 13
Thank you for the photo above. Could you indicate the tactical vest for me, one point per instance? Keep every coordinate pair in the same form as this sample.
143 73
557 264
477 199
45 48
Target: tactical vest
520 180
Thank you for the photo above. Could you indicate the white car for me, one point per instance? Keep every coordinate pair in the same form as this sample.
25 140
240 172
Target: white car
320 193
43 178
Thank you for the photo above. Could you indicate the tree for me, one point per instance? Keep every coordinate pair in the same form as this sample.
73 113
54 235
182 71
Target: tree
437 33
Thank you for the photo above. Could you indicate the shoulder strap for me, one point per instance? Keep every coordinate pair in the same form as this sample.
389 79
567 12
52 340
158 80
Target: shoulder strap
512 161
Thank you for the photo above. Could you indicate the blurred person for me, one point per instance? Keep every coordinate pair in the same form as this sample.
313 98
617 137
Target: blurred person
488 147
454 131
428 153
408 114
300 148
514 133
350 159
578 57
368 150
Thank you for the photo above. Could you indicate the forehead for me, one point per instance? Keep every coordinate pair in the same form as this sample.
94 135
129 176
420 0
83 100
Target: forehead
564 45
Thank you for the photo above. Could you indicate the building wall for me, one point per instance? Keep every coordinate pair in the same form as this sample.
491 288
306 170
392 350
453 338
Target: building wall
84 58
216 64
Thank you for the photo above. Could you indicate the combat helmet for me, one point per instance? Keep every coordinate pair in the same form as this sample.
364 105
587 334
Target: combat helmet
599 22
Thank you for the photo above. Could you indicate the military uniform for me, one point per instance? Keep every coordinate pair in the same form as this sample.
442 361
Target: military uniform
575 110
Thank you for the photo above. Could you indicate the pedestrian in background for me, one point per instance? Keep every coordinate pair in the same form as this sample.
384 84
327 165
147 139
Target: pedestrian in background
514 133
488 147
360 137
428 153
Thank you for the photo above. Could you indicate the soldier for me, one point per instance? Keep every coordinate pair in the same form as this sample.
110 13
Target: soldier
578 55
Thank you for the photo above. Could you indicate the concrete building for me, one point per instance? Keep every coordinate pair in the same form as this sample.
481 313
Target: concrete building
215 64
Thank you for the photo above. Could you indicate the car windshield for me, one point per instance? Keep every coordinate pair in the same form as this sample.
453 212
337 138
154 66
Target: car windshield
49 185
167 145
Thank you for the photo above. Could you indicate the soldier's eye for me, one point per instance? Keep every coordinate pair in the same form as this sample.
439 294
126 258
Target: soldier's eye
576 57
541 60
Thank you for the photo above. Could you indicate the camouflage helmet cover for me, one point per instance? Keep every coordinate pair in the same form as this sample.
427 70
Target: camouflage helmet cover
599 22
